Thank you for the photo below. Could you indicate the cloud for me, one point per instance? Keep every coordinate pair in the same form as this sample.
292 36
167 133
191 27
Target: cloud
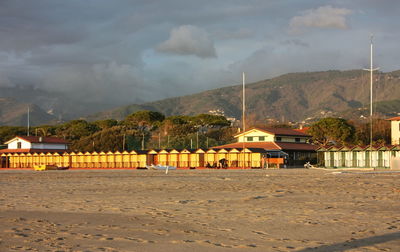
322 17
243 33
108 83
189 40
295 42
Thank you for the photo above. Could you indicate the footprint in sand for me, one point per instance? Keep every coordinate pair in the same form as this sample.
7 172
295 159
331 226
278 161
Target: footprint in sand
139 240
260 233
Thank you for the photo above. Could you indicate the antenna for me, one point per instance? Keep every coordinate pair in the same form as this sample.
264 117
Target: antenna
28 122
371 70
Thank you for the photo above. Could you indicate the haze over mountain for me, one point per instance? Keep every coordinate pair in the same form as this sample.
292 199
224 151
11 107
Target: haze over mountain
293 96
53 106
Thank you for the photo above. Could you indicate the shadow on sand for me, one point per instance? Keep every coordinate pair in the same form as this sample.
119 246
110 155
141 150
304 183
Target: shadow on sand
343 246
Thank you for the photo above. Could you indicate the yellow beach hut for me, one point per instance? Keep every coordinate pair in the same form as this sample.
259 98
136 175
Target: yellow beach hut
174 158
211 158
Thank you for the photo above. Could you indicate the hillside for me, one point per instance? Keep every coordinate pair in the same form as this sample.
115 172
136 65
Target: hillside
50 104
14 113
294 97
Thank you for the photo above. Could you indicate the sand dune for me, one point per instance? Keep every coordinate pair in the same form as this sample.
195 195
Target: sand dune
240 210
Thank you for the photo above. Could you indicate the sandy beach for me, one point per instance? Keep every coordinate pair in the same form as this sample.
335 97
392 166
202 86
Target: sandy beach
199 210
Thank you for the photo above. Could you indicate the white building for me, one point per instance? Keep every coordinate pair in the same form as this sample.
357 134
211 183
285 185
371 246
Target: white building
20 144
292 142
395 128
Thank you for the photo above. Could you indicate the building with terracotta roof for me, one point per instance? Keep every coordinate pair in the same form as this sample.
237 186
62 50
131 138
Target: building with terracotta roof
395 128
31 144
292 143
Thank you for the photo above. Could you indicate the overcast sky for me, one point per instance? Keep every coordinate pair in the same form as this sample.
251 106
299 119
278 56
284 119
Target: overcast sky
131 51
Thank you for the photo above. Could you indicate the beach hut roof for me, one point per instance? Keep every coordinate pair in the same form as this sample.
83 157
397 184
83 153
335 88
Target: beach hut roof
164 151
395 147
200 151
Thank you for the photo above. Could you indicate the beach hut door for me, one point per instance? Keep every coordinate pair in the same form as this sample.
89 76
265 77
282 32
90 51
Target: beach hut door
3 162
201 160
152 159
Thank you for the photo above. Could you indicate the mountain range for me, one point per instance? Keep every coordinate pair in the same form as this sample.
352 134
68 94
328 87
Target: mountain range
291 97
297 97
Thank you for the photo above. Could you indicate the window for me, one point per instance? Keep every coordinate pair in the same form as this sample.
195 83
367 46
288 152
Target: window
297 139
19 145
278 139
261 138
249 139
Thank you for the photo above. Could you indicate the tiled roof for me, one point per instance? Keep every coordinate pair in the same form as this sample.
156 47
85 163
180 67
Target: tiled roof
271 146
362 147
37 139
297 146
303 130
397 118
279 131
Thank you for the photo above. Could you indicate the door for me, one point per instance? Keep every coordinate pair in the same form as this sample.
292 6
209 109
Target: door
3 162
151 159
355 159
332 159
201 160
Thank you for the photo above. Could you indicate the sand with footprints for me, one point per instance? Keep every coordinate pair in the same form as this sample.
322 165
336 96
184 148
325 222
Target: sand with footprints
199 210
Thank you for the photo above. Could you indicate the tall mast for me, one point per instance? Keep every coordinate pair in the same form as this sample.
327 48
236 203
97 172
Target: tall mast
371 70
244 102
244 117
28 122
371 93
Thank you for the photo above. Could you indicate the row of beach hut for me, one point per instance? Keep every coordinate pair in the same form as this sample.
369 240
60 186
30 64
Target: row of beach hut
383 156
249 158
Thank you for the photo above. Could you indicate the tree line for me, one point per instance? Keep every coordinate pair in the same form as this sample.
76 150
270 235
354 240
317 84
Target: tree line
339 131
152 130
140 130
